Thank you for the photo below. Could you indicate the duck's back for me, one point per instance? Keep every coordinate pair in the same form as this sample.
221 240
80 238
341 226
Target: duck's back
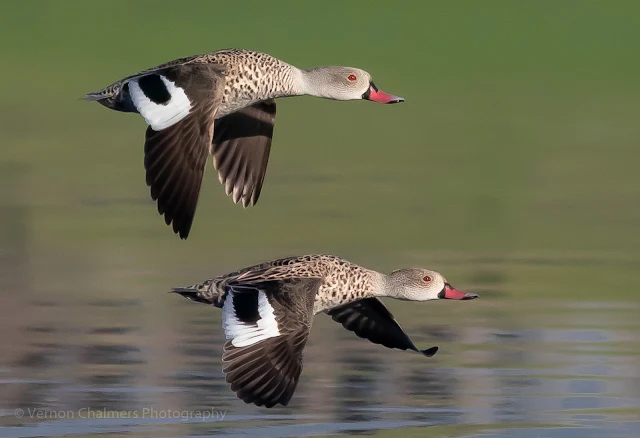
342 281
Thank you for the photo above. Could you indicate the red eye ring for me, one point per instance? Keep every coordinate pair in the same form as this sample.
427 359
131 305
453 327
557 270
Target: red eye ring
352 77
426 279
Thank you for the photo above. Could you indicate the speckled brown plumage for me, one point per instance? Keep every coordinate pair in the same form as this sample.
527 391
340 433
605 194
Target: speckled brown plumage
249 77
342 281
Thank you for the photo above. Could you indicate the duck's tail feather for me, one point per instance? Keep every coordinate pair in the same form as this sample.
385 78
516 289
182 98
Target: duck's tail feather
204 292
191 294
115 96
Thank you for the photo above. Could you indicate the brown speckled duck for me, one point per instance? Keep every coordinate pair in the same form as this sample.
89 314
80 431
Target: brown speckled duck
222 104
267 311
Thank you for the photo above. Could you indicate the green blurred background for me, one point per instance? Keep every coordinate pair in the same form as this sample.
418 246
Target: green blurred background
518 138
512 168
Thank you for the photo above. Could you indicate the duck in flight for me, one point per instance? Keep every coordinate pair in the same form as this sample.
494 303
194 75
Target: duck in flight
220 103
267 311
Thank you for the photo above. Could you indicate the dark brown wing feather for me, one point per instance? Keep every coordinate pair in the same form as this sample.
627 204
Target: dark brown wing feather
267 372
175 157
241 146
370 319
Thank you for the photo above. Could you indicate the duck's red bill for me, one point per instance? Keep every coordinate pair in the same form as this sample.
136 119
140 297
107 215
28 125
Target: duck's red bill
451 293
375 95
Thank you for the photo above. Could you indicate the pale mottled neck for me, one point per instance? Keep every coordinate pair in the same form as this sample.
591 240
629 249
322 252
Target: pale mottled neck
312 82
380 285
390 286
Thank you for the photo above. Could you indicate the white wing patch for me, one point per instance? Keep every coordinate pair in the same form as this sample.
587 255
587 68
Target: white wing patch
243 334
161 116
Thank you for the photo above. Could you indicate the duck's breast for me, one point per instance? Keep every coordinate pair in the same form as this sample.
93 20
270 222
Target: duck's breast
253 77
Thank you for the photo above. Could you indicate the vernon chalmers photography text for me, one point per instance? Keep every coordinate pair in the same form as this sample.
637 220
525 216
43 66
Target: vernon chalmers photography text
210 414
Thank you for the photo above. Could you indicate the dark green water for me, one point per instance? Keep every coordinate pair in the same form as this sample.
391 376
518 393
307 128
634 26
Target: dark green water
511 168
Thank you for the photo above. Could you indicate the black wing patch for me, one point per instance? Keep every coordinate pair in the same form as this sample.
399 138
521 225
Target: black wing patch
246 307
154 89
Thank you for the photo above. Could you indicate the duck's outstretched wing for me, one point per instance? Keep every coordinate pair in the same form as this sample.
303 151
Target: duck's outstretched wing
370 319
240 149
267 325
178 100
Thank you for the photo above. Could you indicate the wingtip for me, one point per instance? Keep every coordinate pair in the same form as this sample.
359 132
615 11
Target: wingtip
253 201
237 195
182 232
429 352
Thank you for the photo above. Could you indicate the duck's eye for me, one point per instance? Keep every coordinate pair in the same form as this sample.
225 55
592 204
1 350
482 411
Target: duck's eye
352 78
426 279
